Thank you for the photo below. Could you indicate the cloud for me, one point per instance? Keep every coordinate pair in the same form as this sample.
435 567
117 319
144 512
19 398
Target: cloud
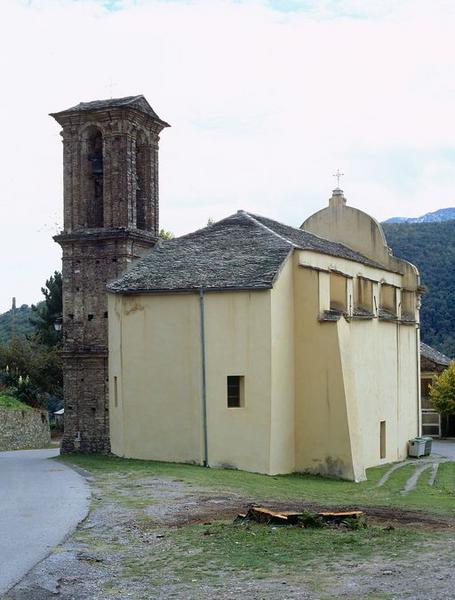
266 100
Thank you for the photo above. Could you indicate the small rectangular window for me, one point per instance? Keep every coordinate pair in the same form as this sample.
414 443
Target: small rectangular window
235 391
407 304
382 440
115 392
338 292
388 301
364 294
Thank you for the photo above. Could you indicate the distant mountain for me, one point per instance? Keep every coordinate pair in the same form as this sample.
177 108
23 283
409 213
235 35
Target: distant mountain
431 247
19 322
443 214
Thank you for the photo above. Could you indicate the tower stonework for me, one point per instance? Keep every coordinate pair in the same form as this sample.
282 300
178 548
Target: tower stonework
110 161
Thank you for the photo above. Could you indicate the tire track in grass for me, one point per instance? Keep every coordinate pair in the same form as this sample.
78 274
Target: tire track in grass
390 472
411 483
434 472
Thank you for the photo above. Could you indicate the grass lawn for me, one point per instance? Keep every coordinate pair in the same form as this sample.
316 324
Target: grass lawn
11 403
438 498
199 549
161 526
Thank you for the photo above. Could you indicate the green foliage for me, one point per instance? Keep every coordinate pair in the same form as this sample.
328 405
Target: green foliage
16 322
47 312
30 370
12 403
166 235
31 366
311 520
431 247
442 392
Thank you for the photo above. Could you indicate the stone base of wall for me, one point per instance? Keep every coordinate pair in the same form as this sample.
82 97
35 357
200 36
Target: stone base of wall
22 429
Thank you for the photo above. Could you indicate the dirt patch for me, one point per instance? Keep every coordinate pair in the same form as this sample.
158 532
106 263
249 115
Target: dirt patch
202 509
128 548
382 515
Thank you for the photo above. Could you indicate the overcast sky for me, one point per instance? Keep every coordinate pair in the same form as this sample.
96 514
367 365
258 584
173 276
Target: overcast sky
266 98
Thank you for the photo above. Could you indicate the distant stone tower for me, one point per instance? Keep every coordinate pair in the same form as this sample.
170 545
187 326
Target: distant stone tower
110 160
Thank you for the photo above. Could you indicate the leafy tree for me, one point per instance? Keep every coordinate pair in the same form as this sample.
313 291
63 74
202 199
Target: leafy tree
31 366
48 311
442 392
431 247
30 371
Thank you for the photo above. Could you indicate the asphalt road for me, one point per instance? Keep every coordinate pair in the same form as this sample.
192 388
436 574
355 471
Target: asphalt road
41 502
444 448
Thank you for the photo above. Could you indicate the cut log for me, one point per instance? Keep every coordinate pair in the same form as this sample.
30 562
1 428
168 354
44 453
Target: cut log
261 514
339 517
265 515
351 514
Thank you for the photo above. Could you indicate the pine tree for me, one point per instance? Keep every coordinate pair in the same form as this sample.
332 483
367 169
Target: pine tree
48 311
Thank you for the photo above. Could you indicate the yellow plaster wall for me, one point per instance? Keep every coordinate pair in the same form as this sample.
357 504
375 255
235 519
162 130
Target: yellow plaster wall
282 437
321 419
361 232
238 342
155 353
116 422
381 385
351 226
372 368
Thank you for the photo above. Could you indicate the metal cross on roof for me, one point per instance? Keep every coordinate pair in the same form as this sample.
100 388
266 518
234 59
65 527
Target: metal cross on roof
338 175
111 86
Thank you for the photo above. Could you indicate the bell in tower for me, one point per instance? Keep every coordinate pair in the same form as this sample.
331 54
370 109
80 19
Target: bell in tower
111 210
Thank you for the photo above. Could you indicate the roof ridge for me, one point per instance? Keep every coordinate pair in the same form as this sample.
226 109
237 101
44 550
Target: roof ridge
281 237
310 234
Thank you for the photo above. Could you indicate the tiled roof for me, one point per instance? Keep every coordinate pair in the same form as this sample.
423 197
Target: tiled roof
137 102
243 251
434 355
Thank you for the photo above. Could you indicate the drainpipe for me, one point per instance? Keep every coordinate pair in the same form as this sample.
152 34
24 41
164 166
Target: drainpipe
203 373
419 400
398 343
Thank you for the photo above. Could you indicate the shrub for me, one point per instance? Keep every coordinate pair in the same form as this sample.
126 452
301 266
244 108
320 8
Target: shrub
442 392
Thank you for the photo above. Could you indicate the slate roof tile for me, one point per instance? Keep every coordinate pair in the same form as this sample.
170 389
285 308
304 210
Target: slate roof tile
434 355
243 251
137 102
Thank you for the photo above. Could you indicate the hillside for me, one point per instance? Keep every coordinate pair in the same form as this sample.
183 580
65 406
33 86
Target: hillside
431 247
443 214
21 322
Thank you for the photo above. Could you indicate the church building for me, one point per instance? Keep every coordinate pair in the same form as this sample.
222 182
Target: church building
254 345
247 344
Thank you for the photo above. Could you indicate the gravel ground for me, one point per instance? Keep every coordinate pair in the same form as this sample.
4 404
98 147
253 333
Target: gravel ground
98 562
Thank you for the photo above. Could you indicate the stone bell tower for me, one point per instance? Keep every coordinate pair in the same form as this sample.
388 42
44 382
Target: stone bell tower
110 161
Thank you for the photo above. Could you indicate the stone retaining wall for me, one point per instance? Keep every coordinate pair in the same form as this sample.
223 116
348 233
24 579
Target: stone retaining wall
21 429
